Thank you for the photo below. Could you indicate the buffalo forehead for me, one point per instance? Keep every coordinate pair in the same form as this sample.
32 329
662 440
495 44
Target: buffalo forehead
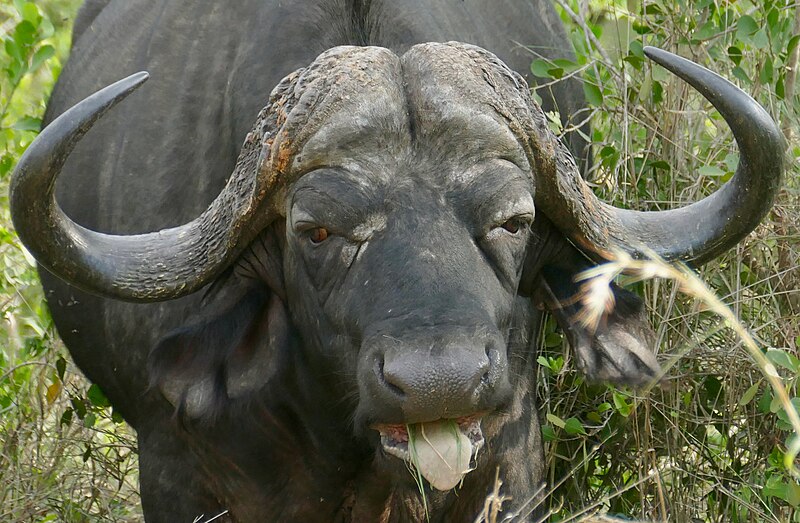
426 104
363 117
456 106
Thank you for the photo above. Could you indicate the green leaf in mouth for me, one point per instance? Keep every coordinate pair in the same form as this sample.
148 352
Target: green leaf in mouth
440 452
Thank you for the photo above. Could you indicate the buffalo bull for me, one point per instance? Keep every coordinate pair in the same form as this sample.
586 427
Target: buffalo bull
374 260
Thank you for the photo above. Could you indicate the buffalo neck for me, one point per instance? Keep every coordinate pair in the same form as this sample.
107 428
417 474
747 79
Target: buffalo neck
327 472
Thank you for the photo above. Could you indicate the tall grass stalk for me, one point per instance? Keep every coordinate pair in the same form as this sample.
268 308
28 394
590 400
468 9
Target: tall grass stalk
692 285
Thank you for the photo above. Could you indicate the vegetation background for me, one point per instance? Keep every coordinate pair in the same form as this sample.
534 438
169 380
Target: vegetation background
713 443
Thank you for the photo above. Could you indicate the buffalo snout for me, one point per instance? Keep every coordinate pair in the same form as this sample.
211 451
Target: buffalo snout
433 374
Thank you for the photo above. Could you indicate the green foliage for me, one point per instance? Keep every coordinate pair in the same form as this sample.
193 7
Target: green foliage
711 443
64 455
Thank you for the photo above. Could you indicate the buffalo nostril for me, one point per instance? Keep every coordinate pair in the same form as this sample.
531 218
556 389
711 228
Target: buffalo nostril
491 361
491 353
379 371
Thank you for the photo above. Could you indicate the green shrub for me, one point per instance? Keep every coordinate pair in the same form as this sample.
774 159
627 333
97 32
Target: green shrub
63 454
711 444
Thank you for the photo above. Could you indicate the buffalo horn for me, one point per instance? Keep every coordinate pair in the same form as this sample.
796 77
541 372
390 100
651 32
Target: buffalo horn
697 232
143 267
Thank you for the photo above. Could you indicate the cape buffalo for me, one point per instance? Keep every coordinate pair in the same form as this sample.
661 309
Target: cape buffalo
382 238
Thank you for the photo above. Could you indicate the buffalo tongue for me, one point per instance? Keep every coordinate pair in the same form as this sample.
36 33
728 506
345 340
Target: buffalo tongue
440 452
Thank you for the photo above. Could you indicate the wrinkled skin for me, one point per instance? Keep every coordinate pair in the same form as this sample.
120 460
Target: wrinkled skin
415 307
395 334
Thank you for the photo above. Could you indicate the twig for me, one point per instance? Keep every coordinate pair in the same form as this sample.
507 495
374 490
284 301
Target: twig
791 75
197 520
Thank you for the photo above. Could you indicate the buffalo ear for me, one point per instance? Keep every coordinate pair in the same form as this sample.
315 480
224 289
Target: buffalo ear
201 368
618 349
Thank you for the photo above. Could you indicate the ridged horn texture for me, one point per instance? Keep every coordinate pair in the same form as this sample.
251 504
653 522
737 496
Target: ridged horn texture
697 232
143 267
174 262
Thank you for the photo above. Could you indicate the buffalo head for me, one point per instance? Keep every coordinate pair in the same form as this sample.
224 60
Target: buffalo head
401 209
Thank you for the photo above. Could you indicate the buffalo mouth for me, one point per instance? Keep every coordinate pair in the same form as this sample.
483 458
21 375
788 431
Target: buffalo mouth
441 451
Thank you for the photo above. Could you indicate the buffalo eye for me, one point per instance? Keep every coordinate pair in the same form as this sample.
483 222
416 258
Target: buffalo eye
318 235
514 225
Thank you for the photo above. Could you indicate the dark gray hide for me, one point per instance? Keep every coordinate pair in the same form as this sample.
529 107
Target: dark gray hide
393 289
212 66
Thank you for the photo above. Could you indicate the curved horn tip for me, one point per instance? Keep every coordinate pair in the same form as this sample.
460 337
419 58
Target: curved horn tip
116 91
140 77
654 53
670 60
132 82
738 102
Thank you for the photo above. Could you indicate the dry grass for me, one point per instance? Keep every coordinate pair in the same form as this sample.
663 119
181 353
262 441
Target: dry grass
713 444
54 471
